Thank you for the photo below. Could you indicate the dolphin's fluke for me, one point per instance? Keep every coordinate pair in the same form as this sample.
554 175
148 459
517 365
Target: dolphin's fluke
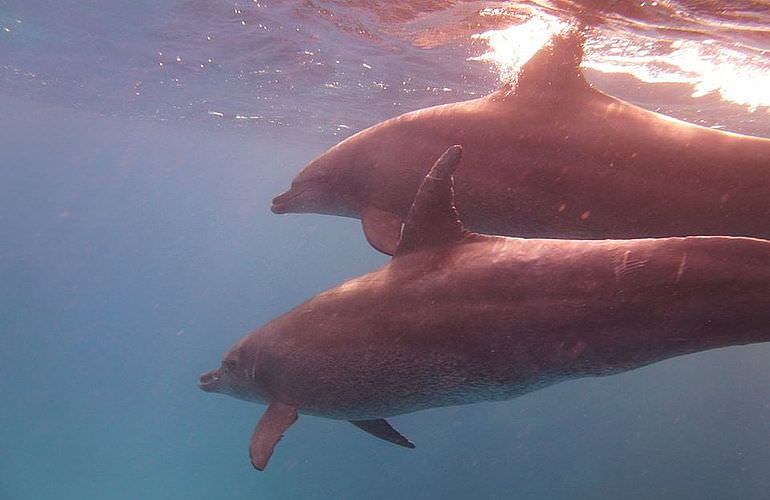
382 429
433 218
382 229
269 431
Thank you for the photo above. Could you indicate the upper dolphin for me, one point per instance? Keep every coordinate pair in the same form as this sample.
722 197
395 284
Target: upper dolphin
548 157
457 317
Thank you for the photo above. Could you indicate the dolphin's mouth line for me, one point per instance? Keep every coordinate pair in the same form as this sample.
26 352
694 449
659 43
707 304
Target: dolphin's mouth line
208 379
277 209
279 202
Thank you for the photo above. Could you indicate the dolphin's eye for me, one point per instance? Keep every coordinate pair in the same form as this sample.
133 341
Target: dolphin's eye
228 364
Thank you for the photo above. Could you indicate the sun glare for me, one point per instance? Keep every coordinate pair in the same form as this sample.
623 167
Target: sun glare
512 47
709 66
734 75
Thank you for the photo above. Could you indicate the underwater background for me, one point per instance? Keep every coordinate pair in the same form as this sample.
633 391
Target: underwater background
140 146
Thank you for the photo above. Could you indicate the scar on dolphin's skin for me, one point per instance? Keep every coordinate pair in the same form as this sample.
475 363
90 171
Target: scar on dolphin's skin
550 157
458 317
681 268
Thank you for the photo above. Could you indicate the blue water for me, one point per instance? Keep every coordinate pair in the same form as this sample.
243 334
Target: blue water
135 250
134 254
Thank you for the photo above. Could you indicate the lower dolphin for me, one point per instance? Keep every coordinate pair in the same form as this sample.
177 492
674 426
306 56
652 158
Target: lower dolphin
458 317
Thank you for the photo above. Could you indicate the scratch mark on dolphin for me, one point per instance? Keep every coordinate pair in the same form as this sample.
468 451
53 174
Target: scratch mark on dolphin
628 264
682 266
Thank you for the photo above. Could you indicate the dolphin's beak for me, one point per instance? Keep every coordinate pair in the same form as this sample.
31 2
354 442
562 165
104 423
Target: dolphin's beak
282 203
210 381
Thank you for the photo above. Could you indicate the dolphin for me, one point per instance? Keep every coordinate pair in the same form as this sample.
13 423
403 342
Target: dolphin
457 317
551 157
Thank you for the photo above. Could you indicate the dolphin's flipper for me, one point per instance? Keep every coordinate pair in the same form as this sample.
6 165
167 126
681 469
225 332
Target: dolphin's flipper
269 431
433 219
382 429
382 229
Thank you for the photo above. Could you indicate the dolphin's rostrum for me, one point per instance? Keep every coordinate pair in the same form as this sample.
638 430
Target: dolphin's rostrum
458 317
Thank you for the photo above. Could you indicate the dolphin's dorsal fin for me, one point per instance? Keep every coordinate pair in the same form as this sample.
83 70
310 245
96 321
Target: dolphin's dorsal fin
269 431
554 71
433 218
382 429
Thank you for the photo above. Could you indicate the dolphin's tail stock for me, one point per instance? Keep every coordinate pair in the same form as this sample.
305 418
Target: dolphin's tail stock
695 294
733 289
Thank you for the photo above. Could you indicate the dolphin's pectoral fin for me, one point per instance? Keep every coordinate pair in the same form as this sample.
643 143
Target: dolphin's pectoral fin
433 219
382 429
382 229
269 431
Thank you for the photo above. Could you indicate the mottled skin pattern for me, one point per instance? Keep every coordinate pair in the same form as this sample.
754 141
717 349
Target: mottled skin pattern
492 318
552 157
457 317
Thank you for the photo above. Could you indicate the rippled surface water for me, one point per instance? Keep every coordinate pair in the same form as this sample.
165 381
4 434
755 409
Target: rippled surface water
140 146
344 63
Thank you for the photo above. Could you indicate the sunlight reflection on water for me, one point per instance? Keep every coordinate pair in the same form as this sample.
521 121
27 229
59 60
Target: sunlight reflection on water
709 65
511 47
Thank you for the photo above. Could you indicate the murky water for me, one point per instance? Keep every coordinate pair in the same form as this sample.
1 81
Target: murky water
139 149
